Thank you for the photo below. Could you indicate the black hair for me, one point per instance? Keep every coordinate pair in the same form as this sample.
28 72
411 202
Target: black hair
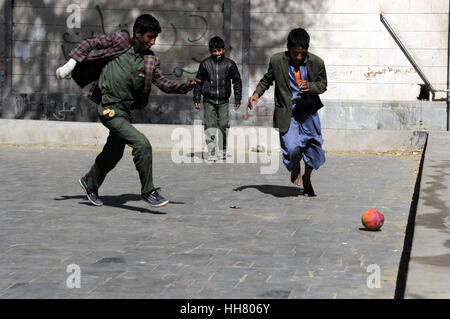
216 43
298 38
146 23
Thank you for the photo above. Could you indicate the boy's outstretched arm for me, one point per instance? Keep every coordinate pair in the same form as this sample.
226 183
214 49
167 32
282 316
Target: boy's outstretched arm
252 100
169 86
263 85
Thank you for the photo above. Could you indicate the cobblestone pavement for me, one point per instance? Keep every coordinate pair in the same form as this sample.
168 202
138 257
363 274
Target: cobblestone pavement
279 244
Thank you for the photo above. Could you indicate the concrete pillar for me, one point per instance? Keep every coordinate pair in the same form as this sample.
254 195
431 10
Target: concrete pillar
245 51
8 45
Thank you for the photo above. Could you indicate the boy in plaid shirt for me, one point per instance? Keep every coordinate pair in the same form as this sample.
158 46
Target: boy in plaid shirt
122 71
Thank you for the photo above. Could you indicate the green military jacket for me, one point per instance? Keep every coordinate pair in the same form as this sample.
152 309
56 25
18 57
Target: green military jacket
278 71
122 79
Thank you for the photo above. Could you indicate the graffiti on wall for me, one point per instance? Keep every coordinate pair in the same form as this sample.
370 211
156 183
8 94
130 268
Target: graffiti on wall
60 106
387 71
260 111
69 42
62 113
53 106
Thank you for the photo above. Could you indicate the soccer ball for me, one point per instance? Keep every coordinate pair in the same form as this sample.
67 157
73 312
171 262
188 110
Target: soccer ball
372 219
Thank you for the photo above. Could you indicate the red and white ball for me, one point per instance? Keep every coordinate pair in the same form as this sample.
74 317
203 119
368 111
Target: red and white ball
372 219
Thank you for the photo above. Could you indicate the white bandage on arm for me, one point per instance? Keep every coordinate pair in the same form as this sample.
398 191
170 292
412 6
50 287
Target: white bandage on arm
66 69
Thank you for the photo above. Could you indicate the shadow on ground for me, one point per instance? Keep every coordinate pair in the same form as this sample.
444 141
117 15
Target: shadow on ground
118 202
274 190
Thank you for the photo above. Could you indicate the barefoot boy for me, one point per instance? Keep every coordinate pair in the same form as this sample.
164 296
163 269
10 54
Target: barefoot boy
299 77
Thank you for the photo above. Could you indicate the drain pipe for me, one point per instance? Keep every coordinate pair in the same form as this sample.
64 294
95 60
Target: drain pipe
227 25
8 45
448 69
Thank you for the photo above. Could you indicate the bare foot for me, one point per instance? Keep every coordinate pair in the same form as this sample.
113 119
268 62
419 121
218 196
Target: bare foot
296 176
298 180
308 190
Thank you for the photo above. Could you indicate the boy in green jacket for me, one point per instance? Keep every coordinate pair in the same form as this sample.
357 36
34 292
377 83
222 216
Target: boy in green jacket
122 71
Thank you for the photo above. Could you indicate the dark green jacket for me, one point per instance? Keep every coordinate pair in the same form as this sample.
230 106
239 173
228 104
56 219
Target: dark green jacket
278 71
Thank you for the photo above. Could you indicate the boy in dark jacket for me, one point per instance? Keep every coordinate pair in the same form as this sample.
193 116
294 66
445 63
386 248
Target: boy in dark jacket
216 74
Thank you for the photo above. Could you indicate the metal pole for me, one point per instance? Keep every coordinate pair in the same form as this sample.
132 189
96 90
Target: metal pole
448 69
8 45
227 24
408 55
245 51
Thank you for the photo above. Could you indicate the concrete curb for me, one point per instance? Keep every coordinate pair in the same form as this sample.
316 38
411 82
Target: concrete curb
428 273
190 137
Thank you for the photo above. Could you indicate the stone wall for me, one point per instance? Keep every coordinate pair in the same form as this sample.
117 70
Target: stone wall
364 64
363 61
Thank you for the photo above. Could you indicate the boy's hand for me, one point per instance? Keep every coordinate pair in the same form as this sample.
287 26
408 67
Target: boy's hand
236 106
254 98
197 106
304 86
190 83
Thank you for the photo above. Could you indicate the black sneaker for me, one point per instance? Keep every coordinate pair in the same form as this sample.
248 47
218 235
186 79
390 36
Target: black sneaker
93 197
154 199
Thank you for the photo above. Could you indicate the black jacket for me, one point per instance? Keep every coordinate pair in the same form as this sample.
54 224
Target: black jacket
216 81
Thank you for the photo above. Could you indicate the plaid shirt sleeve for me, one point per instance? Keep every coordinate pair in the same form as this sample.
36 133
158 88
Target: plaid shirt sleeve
164 83
103 46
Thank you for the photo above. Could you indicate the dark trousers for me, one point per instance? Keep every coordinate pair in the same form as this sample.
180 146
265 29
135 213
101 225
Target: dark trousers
122 133
215 116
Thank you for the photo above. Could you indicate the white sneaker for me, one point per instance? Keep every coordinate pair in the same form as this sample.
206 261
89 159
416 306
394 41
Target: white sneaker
212 158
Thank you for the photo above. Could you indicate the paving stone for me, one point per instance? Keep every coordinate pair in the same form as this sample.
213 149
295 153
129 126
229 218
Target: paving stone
279 244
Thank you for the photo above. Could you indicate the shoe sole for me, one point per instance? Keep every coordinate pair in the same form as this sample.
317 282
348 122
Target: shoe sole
162 204
158 205
85 190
